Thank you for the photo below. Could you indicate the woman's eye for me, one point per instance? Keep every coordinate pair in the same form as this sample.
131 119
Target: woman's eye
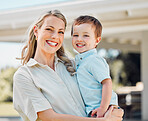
61 32
49 29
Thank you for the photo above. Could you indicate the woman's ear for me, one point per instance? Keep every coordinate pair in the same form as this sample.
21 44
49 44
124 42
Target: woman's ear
98 40
35 30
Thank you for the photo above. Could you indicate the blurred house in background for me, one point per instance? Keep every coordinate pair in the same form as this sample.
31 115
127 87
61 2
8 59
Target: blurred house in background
125 27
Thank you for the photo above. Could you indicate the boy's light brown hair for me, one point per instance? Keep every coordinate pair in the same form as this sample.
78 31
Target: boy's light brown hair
90 20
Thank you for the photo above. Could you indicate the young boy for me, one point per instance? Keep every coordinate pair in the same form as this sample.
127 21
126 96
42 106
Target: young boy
92 70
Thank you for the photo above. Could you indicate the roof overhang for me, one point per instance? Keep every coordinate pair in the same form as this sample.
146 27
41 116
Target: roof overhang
123 21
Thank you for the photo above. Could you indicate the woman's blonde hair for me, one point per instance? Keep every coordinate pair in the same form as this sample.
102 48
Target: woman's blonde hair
30 48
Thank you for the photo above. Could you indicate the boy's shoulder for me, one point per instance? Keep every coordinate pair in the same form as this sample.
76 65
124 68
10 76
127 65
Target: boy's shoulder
97 60
96 57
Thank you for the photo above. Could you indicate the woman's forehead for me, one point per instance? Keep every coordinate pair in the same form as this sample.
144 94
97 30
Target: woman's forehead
54 21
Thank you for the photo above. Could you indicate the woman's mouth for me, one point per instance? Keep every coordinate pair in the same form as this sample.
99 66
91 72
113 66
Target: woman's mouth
51 43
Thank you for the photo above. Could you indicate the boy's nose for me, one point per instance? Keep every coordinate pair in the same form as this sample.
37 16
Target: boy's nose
80 39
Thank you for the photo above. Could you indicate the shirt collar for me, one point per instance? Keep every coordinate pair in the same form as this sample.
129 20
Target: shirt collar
83 55
33 62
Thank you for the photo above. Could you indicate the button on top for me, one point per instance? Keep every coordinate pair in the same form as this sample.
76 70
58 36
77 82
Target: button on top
81 58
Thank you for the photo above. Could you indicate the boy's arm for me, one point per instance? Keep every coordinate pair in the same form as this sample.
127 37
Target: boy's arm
106 93
106 97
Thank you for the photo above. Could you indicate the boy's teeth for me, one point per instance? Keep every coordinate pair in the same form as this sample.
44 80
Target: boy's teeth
80 45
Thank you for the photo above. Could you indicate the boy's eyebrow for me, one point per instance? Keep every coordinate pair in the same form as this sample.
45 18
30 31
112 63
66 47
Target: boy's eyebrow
75 32
86 32
78 32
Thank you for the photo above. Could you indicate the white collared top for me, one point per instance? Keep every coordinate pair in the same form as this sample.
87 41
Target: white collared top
37 87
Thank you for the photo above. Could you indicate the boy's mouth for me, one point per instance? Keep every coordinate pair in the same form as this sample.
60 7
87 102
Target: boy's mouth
51 43
80 45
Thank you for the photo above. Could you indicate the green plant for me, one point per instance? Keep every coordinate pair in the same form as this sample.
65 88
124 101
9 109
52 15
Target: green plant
6 84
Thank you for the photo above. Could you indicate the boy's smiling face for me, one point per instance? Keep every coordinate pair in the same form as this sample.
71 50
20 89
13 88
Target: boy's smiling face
83 38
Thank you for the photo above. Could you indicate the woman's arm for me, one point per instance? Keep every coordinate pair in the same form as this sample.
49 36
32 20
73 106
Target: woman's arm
50 115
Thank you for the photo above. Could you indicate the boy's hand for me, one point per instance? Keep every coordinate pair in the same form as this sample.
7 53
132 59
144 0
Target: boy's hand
99 112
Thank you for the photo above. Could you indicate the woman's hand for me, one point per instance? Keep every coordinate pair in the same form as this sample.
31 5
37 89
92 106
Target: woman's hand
117 111
98 112
113 114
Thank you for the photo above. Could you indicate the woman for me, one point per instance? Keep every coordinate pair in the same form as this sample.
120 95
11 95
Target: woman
43 87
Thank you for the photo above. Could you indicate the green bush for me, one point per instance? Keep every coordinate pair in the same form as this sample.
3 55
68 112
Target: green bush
6 84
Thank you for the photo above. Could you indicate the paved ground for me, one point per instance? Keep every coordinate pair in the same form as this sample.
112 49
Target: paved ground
134 120
10 119
19 119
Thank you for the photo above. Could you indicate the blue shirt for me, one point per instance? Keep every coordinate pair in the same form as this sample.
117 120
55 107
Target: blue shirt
91 71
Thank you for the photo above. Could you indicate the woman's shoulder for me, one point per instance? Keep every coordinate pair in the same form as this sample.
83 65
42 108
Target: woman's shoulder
22 68
21 73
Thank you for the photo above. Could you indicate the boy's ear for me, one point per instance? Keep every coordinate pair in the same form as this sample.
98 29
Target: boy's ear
98 40
35 30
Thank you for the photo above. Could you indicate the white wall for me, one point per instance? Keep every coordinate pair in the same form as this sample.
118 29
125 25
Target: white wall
144 74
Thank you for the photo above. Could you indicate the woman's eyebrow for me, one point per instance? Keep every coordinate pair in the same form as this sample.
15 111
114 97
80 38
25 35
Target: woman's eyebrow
53 27
62 29
50 26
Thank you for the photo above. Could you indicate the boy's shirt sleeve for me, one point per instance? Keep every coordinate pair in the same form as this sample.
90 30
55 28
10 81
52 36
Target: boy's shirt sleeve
99 69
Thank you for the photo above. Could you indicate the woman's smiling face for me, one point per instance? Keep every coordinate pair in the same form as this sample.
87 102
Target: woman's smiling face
50 35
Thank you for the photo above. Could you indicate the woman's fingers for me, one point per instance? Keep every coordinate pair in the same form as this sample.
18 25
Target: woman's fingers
118 118
110 109
108 113
115 106
110 117
118 112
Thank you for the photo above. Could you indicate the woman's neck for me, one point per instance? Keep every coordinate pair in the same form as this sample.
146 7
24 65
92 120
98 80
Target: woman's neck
45 58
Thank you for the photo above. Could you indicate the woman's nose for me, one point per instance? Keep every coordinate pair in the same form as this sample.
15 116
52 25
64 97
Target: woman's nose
55 35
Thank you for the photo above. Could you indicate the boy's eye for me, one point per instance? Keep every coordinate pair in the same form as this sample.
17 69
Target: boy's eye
75 35
86 35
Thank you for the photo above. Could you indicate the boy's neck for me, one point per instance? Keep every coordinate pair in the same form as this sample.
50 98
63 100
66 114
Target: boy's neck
87 50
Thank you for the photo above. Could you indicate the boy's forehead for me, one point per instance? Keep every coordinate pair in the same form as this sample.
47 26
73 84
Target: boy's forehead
80 23
84 25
